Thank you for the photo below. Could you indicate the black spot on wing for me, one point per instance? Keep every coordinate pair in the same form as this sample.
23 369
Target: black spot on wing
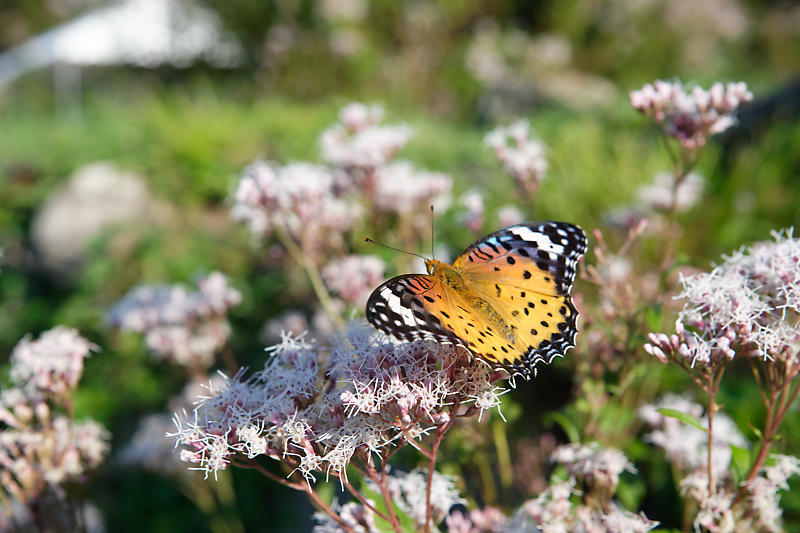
556 346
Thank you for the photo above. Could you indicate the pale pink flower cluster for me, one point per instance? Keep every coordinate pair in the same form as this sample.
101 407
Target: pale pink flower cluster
691 115
402 189
663 194
749 304
554 510
353 277
473 215
302 200
148 448
360 140
52 364
686 445
186 328
593 465
508 215
315 408
41 449
521 154
720 511
357 516
562 507
764 491
408 493
487 520
290 321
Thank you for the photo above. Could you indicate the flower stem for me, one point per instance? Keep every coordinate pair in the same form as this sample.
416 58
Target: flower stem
313 276
431 468
711 409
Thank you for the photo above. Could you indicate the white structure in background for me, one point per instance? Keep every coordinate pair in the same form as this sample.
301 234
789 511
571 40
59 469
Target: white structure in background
145 33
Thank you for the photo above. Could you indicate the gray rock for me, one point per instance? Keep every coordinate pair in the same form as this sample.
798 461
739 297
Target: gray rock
97 197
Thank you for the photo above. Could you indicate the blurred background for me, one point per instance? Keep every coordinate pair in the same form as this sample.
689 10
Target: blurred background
124 127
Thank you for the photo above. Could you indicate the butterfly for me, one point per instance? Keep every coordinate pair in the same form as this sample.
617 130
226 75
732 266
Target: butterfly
506 298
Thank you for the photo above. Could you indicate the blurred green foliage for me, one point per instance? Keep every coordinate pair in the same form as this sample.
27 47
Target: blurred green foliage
190 133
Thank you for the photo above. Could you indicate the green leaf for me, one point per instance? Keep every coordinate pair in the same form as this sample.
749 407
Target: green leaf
755 430
683 417
653 317
566 424
740 462
406 522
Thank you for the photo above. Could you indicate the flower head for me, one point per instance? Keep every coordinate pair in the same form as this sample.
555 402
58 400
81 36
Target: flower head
685 445
404 190
316 408
521 154
187 328
300 200
51 364
691 115
353 277
663 193
360 141
749 304
598 467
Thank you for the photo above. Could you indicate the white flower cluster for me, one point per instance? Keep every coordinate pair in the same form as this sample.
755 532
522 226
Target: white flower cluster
315 415
360 140
598 470
520 153
42 449
691 115
719 511
508 215
748 304
662 194
686 445
187 328
353 277
315 206
148 448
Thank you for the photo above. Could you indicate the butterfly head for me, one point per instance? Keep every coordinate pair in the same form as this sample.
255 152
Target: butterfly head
434 266
445 272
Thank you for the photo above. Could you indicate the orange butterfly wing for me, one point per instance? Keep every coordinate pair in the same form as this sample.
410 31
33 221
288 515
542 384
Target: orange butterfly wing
514 308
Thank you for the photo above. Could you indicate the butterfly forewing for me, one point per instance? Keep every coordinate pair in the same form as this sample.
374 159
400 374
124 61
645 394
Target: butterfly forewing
540 256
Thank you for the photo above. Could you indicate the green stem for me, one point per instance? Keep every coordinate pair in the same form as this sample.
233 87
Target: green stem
313 275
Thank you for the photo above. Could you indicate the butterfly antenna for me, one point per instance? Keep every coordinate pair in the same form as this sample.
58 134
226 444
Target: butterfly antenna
433 234
395 249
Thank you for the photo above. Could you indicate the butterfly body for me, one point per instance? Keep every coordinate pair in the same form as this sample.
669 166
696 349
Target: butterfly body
506 299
